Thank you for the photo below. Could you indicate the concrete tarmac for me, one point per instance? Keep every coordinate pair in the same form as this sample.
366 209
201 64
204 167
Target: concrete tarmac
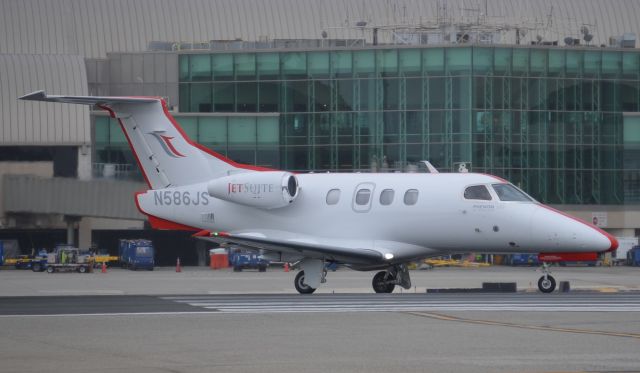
186 322
200 280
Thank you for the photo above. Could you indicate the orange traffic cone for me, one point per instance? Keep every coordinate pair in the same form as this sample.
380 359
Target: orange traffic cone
286 267
178 267
104 267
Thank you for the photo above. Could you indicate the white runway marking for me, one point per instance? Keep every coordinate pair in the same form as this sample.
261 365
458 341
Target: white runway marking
302 304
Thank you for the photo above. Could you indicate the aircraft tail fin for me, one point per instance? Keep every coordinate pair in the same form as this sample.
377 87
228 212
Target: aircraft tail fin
165 154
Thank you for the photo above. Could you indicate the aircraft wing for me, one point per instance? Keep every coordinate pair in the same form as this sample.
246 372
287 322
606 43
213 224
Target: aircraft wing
87 100
347 251
360 253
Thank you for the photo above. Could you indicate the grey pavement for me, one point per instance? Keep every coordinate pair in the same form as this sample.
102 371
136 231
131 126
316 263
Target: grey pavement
201 280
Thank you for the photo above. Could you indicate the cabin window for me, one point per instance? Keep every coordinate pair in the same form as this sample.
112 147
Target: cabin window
507 192
477 192
411 197
362 197
386 197
333 196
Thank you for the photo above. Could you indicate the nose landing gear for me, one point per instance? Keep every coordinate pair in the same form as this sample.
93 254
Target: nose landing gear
546 283
386 281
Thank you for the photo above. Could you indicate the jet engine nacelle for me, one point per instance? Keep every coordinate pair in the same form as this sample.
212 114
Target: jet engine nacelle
266 190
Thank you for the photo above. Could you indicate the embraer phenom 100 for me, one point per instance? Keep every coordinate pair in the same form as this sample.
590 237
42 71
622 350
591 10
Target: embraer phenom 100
366 221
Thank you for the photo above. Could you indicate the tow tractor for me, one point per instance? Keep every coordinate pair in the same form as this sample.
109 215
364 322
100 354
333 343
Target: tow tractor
67 259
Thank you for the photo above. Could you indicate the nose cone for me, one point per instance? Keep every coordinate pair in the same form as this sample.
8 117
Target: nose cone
555 230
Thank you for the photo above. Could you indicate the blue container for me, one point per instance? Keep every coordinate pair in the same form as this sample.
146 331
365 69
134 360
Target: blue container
136 254
524 259
633 256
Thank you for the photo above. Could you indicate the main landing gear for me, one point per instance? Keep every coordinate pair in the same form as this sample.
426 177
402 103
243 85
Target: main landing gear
313 273
546 283
386 281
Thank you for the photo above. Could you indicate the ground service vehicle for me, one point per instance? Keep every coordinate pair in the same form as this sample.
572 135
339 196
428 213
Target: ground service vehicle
365 221
136 254
248 260
67 258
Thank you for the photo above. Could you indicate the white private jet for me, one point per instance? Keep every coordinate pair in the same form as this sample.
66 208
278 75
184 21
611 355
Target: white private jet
366 221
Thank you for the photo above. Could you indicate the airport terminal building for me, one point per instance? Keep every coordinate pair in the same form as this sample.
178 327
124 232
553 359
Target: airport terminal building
543 93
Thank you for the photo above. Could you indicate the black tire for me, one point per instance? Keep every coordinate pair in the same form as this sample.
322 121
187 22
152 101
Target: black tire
237 269
547 286
379 284
82 269
37 267
262 269
50 269
301 287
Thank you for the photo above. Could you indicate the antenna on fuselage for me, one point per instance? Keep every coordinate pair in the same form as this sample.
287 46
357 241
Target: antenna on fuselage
432 170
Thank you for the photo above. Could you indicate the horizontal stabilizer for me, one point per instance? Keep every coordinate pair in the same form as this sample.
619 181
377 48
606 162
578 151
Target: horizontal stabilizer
87 100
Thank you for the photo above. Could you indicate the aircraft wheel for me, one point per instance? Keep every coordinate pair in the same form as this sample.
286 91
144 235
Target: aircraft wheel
379 284
547 285
301 287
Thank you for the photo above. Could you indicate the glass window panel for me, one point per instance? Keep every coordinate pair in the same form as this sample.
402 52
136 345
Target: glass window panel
116 136
410 61
390 93
630 64
200 67
223 97
386 197
592 62
341 63
508 192
222 66
611 63
574 62
201 97
362 196
436 93
502 60
296 96
387 61
520 61
269 97
268 65
345 94
213 131
185 97
364 63
477 192
245 64
458 60
294 64
538 61
190 126
247 98
268 131
184 67
413 94
433 61
102 130
556 62
411 197
629 92
322 94
242 131
482 59
333 196
318 64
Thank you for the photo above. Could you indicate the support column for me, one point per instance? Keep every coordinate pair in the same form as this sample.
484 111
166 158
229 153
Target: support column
71 228
84 233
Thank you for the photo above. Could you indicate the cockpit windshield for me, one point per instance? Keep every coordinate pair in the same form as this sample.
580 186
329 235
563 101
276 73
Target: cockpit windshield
508 192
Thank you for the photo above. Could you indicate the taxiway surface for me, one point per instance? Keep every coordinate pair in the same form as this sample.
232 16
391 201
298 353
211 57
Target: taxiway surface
187 329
